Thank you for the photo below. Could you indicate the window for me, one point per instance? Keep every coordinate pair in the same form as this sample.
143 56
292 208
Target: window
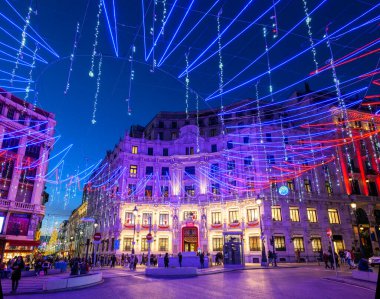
21 118
165 171
10 143
286 140
148 191
231 165
212 132
298 244
134 149
149 170
246 139
129 218
268 137
11 113
174 135
307 185
312 215
294 214
189 150
329 189
279 243
270 159
247 161
150 151
161 124
147 218
252 215
133 170
189 190
163 244
165 151
144 244
233 216
254 244
190 215
355 187
214 148
333 216
131 189
214 168
290 184
215 188
217 244
338 242
190 170
276 214
165 191
216 218
316 244
164 219
127 244
230 145
174 125
32 151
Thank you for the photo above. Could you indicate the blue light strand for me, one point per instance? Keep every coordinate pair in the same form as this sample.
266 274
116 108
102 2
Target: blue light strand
114 39
72 56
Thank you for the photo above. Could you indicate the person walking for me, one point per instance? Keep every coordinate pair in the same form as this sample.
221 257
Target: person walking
202 260
166 260
113 261
180 259
17 266
326 260
135 262
298 256
45 267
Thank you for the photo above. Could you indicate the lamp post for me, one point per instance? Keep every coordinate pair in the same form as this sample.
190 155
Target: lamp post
353 207
149 241
94 248
134 228
264 260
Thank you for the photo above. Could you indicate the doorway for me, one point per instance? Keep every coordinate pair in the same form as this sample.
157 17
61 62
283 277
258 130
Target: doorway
189 239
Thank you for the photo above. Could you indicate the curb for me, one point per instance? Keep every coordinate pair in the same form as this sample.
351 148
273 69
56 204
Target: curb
351 283
54 291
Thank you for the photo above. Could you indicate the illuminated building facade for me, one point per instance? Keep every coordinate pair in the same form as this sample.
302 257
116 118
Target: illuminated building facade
26 138
190 182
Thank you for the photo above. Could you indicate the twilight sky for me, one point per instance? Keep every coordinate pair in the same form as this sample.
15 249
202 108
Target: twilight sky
56 21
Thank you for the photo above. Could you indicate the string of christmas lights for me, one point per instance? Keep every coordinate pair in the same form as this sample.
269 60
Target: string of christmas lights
187 83
268 63
27 89
309 32
221 75
72 55
22 44
93 121
96 36
131 78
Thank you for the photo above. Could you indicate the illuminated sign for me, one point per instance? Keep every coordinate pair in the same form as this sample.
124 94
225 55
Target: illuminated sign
283 190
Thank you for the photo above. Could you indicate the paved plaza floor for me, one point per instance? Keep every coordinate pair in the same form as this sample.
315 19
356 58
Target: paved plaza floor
285 282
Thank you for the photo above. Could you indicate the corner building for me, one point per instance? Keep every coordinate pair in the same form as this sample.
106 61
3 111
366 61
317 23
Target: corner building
26 139
200 176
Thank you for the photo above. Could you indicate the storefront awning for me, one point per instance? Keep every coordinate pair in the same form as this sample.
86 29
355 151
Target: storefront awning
23 243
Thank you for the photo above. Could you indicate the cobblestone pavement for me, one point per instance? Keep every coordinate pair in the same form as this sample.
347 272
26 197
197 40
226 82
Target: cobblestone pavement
295 283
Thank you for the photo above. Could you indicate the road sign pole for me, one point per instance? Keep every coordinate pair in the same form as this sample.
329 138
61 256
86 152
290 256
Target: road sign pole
149 241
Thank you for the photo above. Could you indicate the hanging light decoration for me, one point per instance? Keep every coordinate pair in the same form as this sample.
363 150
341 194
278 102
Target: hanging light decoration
131 78
268 63
309 32
30 79
93 121
187 83
91 72
221 75
72 59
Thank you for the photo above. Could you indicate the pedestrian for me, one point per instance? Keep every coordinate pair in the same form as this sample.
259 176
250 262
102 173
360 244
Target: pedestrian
45 267
298 256
274 259
17 266
326 260
122 259
180 259
135 262
113 261
142 259
202 259
349 259
166 260
270 257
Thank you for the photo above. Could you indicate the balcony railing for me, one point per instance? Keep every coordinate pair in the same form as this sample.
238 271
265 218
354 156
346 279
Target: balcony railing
21 206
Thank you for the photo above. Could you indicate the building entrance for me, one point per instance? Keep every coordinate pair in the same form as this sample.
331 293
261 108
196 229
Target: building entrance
190 239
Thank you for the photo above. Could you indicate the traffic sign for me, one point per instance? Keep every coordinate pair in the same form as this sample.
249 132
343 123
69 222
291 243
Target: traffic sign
329 232
97 236
149 237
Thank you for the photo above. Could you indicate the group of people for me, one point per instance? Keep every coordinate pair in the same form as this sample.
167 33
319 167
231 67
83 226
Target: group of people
272 258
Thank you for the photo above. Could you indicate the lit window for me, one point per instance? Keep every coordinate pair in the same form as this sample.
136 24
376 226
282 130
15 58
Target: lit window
276 214
164 219
134 149
131 189
190 150
233 216
298 244
294 214
334 216
329 189
215 188
189 190
290 185
254 244
146 218
312 215
129 218
144 244
165 191
163 244
133 170
252 215
148 191
307 185
216 217
316 244
279 243
217 244
127 244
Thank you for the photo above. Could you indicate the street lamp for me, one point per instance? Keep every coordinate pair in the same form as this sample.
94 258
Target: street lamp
264 260
353 206
94 247
134 228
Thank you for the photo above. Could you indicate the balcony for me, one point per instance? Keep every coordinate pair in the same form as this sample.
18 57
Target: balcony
21 206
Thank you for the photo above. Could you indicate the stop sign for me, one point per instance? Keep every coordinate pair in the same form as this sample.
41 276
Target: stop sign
329 232
149 237
97 236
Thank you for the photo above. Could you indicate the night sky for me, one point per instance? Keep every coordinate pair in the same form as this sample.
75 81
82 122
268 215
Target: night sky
162 90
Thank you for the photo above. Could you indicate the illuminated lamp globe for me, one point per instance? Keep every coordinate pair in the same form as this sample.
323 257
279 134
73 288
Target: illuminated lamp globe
91 74
258 201
353 205
135 211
